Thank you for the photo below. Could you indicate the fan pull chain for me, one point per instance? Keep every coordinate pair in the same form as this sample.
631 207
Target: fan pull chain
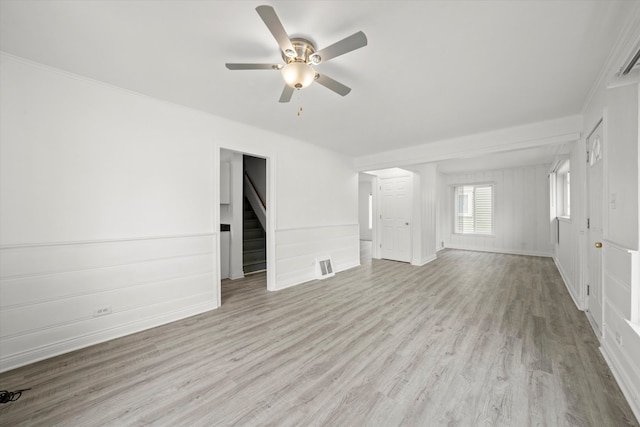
298 96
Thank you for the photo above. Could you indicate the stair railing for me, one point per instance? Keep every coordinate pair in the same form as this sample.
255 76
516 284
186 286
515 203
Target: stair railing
255 200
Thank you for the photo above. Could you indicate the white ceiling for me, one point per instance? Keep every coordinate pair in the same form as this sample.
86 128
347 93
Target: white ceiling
432 70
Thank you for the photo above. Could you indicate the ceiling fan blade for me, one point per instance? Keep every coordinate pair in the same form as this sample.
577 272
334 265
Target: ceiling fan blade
335 86
271 20
346 45
253 66
287 92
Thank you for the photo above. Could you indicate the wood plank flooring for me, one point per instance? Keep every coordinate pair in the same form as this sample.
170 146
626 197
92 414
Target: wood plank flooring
470 339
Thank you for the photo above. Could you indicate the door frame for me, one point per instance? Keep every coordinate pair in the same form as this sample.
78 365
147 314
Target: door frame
376 235
271 213
598 330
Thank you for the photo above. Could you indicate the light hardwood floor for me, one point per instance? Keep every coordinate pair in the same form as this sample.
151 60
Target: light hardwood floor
365 251
470 339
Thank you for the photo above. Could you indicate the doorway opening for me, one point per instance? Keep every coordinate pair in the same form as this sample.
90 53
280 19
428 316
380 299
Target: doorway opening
392 205
244 220
254 215
365 215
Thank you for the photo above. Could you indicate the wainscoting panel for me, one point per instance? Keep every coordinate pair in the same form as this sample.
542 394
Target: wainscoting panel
59 297
569 250
42 288
299 248
621 343
23 260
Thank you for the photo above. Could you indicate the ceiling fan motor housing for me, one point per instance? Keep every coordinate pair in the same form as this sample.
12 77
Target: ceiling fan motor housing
304 49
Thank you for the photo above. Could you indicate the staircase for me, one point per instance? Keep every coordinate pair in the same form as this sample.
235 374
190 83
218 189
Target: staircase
254 242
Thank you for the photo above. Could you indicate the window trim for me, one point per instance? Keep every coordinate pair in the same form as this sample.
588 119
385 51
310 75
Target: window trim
455 214
560 196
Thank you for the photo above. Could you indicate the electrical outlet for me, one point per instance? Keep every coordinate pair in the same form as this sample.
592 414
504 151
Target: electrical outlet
102 311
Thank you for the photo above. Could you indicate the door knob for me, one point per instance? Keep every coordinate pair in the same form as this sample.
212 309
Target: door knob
598 245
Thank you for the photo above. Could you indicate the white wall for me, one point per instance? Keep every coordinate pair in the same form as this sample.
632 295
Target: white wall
442 211
232 213
621 151
569 252
319 187
106 203
521 211
317 212
109 199
425 199
226 216
236 267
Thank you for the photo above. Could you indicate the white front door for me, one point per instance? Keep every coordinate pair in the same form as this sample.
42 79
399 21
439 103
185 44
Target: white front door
595 188
395 218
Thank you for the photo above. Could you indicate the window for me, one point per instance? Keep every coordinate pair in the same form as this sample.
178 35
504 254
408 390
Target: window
370 211
563 190
473 207
464 207
567 194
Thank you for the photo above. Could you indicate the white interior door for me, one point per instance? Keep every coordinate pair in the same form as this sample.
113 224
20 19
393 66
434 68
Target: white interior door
595 190
395 218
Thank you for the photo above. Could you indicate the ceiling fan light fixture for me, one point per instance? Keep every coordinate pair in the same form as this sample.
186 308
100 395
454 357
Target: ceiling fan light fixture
298 74
299 54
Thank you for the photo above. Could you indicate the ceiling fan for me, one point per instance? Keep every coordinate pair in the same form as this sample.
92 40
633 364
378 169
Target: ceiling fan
299 55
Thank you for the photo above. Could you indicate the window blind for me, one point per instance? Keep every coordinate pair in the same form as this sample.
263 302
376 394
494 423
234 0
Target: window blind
473 207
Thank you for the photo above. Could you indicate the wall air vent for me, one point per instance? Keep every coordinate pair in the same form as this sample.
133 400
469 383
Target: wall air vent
324 268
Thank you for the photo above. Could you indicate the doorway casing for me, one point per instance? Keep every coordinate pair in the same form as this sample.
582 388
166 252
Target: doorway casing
271 210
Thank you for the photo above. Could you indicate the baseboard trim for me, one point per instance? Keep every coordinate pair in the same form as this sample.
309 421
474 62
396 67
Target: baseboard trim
567 284
425 261
76 343
307 277
593 325
238 275
623 381
503 251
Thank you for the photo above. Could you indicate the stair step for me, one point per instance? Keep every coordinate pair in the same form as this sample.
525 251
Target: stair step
253 267
253 244
253 234
251 223
254 255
